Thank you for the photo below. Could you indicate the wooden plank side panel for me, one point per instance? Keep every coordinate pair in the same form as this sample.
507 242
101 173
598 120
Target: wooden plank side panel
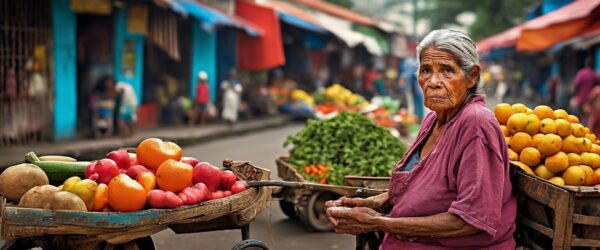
545 193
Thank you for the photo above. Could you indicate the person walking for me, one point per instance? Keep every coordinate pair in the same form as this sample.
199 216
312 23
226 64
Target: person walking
127 113
585 80
202 97
232 91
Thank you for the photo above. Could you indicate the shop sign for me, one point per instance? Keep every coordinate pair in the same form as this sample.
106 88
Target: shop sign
137 22
101 7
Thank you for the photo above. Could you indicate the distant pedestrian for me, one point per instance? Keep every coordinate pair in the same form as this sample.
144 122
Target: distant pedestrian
592 108
585 80
127 114
202 97
232 91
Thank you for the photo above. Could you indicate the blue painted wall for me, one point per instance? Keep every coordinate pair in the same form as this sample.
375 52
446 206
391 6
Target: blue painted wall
597 56
226 52
64 31
204 57
552 5
121 36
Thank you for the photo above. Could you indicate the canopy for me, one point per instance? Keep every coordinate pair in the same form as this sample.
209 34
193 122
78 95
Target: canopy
338 11
505 39
342 29
209 17
294 16
567 22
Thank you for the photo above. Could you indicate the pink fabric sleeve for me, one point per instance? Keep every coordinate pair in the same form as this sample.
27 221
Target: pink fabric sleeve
480 184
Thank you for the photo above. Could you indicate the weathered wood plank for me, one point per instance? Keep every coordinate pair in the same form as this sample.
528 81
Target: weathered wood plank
585 243
586 220
538 227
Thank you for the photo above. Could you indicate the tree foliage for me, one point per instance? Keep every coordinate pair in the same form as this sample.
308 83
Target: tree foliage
492 16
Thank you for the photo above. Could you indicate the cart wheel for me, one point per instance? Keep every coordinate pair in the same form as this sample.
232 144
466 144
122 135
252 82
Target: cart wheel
313 215
250 244
288 209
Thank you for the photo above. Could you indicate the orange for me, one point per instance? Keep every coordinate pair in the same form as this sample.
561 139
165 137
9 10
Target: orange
517 123
549 144
126 194
571 144
148 180
524 167
504 130
589 175
573 119
592 137
557 181
547 126
563 127
519 108
512 155
574 159
503 111
101 197
574 176
561 113
543 112
557 163
543 172
577 130
152 152
174 176
535 140
520 141
533 124
530 156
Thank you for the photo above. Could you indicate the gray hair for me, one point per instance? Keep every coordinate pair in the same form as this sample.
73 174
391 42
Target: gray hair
457 43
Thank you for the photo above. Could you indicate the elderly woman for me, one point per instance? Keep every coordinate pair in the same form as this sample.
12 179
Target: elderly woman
452 189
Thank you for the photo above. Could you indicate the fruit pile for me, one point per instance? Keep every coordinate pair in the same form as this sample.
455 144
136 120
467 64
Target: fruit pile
550 144
341 96
157 176
316 173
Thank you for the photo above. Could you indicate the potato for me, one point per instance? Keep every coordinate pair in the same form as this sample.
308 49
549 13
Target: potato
15 181
64 200
39 197
49 197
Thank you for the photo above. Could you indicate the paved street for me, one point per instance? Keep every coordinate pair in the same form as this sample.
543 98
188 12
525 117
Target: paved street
272 226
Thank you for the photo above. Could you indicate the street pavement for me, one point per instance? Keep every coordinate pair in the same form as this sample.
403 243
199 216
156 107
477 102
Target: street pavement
271 226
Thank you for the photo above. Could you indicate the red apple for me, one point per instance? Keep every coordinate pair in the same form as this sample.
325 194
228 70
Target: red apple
202 191
172 200
227 179
207 174
90 169
216 195
238 186
156 198
106 169
134 171
190 160
121 157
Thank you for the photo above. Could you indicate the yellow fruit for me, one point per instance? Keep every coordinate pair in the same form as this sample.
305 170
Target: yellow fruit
563 127
592 137
547 126
587 130
577 130
530 156
535 140
595 149
585 145
597 172
550 144
519 141
517 123
561 113
524 167
589 175
519 108
570 144
512 155
557 181
587 159
529 111
595 160
504 130
574 159
574 176
557 163
543 172
543 112
507 139
573 119
503 111
533 124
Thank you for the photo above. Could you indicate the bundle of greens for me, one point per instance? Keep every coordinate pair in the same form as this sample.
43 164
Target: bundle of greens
348 144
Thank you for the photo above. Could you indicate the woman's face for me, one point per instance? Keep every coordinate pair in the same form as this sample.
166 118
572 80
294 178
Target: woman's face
442 80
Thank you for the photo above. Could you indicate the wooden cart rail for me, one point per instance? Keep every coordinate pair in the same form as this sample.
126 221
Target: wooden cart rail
116 228
574 220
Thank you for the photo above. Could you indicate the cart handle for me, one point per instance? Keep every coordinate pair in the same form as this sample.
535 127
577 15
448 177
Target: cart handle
341 190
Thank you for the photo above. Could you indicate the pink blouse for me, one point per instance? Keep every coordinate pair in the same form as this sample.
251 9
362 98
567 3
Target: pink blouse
466 174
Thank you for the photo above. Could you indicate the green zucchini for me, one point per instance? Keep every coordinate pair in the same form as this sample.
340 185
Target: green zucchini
58 171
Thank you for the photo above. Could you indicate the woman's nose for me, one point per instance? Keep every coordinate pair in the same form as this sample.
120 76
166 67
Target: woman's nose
435 81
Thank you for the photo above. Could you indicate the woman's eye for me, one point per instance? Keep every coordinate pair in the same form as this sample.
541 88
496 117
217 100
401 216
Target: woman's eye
448 70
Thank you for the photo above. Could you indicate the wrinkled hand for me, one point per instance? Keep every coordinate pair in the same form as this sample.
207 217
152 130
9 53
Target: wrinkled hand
354 202
356 220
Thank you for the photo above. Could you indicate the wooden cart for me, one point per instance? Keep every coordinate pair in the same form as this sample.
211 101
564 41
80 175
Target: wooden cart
308 203
551 216
94 230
